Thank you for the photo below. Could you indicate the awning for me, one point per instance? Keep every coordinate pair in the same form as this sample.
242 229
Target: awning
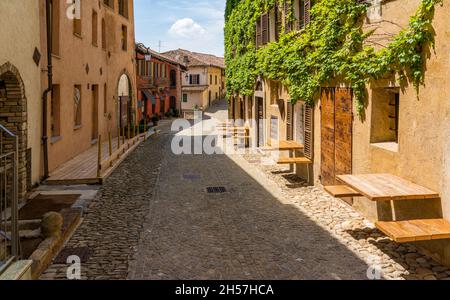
149 96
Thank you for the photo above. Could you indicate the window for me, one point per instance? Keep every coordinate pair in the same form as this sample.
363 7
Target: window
109 3
105 99
123 8
216 79
385 116
124 38
142 68
156 70
262 30
265 29
55 9
303 13
258 33
94 28
173 78
287 9
55 112
77 106
103 34
194 79
77 19
185 98
210 79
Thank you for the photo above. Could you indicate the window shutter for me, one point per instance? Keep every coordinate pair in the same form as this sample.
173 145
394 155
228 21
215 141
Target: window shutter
309 132
265 29
190 79
286 12
301 21
307 12
258 33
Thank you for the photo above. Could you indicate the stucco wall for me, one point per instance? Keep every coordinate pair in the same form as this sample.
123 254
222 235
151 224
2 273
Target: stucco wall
18 39
82 63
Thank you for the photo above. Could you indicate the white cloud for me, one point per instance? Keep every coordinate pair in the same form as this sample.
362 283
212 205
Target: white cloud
186 28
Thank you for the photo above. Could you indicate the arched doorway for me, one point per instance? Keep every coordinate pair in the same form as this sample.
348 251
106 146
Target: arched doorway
124 103
13 117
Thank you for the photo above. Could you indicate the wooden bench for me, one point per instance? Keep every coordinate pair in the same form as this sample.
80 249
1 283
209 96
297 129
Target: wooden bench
341 191
416 230
294 161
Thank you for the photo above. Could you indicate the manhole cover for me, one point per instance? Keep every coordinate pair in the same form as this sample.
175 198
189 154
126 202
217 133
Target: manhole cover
83 253
216 190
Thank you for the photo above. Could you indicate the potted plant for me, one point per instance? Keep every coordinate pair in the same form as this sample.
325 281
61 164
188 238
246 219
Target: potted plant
155 120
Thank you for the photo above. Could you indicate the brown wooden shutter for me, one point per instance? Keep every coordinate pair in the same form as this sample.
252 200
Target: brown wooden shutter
265 29
309 132
287 22
307 12
301 21
258 33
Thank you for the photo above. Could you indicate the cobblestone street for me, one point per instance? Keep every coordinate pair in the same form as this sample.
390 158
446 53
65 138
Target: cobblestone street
153 219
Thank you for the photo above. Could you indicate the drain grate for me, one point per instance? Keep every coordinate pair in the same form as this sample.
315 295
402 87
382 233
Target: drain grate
216 190
83 253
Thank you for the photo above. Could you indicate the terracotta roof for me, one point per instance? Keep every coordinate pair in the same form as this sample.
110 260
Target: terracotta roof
195 58
143 50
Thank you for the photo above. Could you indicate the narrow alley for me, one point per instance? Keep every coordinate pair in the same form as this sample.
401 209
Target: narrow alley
159 222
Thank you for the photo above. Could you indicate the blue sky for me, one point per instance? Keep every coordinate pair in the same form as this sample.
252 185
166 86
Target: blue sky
195 25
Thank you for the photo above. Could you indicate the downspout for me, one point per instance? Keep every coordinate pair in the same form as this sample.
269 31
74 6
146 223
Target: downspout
49 89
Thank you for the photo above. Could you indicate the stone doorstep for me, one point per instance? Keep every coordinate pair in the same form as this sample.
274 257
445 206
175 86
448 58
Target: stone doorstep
50 247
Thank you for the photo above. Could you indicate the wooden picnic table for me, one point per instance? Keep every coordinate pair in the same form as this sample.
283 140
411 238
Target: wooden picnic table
387 187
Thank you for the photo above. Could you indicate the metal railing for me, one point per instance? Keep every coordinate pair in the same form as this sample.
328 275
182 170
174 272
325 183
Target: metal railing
9 231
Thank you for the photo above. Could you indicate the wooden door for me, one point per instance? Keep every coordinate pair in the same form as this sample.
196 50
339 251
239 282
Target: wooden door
327 137
343 131
124 110
336 134
260 121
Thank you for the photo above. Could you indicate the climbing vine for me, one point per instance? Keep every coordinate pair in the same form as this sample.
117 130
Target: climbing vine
334 46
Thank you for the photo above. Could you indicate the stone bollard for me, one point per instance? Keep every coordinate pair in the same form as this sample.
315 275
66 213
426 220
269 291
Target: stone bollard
52 225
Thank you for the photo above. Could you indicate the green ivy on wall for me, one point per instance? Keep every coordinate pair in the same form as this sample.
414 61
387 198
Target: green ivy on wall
333 46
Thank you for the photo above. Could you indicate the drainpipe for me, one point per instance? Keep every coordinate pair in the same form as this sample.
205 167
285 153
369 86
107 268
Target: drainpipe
49 89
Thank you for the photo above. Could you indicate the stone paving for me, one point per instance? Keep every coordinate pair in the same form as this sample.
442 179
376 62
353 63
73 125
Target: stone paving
153 219
247 233
395 261
112 223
